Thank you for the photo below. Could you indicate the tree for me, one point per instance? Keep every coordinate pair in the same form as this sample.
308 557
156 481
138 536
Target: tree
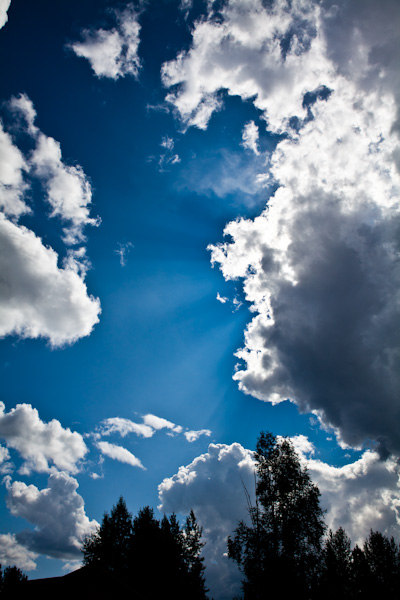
159 559
10 579
193 561
336 566
110 546
281 547
382 556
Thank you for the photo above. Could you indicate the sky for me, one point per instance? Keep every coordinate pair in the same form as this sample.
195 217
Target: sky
199 240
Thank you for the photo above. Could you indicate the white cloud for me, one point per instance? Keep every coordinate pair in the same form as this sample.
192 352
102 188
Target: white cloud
4 6
269 55
250 137
68 189
124 426
359 496
113 53
13 553
58 513
222 299
213 485
37 297
319 265
119 453
12 184
193 436
160 423
6 466
41 445
122 251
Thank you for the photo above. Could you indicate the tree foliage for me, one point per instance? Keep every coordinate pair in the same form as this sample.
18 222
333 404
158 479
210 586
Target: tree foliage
10 579
286 525
281 549
160 558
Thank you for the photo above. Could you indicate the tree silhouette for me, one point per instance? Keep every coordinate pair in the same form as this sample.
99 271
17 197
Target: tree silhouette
336 575
158 559
281 548
382 556
10 580
110 546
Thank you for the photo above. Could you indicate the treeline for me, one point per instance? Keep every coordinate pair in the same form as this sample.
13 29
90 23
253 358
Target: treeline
283 548
10 579
155 558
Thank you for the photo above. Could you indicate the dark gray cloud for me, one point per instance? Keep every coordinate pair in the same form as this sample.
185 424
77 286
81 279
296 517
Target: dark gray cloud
320 264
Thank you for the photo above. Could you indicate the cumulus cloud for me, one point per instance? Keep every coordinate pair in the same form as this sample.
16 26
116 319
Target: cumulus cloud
13 553
119 453
319 265
12 183
43 446
68 190
114 52
58 513
359 496
213 485
38 297
4 6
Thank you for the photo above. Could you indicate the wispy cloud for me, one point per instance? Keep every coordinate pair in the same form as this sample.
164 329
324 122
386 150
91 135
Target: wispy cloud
119 453
122 251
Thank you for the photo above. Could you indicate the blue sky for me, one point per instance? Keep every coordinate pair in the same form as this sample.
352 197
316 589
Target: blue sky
199 217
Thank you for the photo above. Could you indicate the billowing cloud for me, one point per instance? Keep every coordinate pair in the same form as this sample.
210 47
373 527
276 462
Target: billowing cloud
359 496
114 52
12 184
319 265
119 453
214 485
38 297
58 513
43 446
4 6
13 553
